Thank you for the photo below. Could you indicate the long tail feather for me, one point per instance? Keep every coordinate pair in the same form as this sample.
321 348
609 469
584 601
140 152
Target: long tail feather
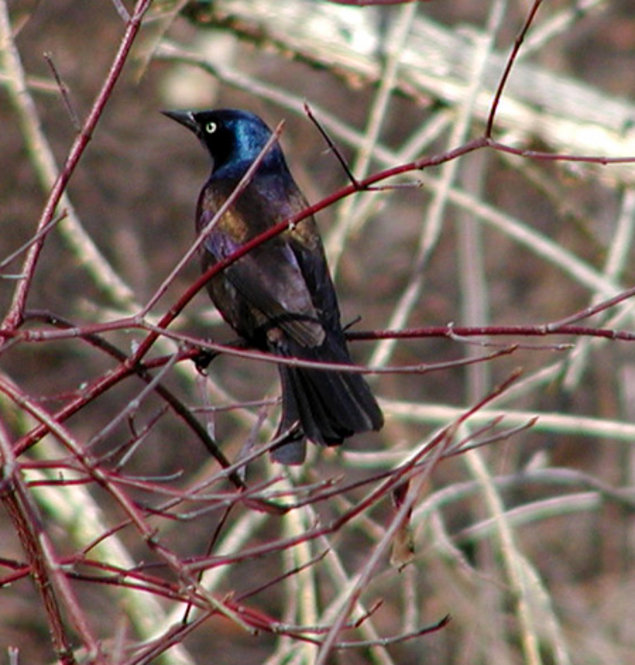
329 406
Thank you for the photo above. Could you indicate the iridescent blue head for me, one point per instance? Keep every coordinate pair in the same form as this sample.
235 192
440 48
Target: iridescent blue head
234 138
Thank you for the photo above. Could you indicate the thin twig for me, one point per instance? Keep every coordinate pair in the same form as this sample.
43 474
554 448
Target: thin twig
64 92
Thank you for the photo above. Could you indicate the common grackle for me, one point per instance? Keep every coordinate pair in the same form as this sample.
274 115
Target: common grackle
279 297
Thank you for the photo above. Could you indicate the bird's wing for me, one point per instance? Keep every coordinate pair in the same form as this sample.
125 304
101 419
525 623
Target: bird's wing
309 254
268 277
306 245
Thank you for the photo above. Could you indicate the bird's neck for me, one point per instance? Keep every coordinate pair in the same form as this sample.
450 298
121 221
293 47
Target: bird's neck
236 167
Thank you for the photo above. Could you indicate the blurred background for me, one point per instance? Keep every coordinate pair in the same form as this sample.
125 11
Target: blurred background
526 542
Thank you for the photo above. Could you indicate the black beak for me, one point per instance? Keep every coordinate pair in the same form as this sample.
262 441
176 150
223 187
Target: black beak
185 118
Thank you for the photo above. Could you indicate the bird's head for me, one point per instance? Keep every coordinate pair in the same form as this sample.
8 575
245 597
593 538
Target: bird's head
231 136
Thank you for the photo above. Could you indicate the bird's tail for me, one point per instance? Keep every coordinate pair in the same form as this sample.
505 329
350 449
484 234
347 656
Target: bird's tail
327 406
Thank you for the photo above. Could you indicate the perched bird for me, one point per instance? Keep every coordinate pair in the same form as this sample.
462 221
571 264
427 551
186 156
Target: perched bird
279 297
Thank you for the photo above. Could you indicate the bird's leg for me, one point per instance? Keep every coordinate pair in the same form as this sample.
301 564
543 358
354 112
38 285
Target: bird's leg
203 359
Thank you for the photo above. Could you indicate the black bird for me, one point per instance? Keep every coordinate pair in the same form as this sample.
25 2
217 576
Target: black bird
280 296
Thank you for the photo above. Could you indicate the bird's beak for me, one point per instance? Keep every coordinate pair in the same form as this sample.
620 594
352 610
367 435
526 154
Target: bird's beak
185 118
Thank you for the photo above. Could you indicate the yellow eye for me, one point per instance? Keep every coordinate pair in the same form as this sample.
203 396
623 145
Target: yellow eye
211 127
